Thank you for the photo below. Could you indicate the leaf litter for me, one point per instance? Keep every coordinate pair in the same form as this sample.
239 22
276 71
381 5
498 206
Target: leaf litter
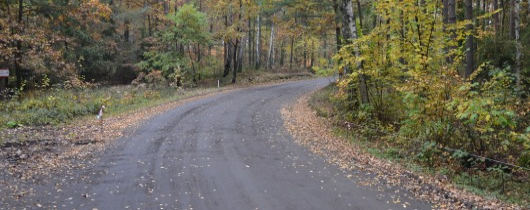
316 133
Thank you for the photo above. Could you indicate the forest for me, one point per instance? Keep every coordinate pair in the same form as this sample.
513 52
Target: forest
438 73
123 41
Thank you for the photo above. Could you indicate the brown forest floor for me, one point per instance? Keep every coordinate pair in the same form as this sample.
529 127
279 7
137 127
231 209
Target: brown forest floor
317 134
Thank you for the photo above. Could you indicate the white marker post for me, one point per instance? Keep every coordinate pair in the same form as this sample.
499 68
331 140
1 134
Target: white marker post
100 116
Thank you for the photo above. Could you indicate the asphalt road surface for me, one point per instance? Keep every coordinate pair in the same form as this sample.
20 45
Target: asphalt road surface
229 151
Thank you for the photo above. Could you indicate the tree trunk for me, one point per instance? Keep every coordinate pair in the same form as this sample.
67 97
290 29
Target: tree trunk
199 57
240 58
512 19
234 57
450 20
210 45
258 43
228 52
291 55
478 13
193 72
337 26
149 27
445 11
503 19
271 45
518 46
469 41
348 18
274 53
250 42
238 46
18 54
305 55
312 56
496 21
451 12
126 31
359 10
485 8
282 54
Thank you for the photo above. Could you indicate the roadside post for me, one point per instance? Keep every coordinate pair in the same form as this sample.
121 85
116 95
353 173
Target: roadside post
100 117
4 76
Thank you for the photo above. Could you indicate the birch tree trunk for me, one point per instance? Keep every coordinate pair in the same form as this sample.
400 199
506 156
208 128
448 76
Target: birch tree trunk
348 18
271 45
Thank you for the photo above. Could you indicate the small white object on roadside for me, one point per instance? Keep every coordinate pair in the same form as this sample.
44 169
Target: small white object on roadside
100 112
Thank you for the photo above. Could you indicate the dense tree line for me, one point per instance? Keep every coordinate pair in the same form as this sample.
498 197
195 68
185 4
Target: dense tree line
118 41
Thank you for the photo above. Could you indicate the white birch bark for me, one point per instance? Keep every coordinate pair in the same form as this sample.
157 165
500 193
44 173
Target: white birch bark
349 20
269 57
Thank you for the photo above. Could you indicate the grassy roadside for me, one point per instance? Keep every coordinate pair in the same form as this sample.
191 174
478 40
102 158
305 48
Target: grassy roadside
489 182
61 107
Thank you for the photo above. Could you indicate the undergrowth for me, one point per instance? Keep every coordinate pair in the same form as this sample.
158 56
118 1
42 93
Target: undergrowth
59 105
476 175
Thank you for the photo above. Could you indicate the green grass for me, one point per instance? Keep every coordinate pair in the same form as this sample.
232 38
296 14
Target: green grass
58 106
487 183
61 106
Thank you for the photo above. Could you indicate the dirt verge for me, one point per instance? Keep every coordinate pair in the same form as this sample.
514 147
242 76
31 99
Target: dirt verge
316 133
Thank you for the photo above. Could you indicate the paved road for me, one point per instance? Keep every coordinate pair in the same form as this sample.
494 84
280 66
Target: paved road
228 151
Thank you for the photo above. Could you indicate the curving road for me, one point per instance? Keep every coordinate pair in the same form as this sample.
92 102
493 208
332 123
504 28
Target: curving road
228 151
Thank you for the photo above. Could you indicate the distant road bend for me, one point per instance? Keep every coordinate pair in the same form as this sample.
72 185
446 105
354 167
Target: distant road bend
229 151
